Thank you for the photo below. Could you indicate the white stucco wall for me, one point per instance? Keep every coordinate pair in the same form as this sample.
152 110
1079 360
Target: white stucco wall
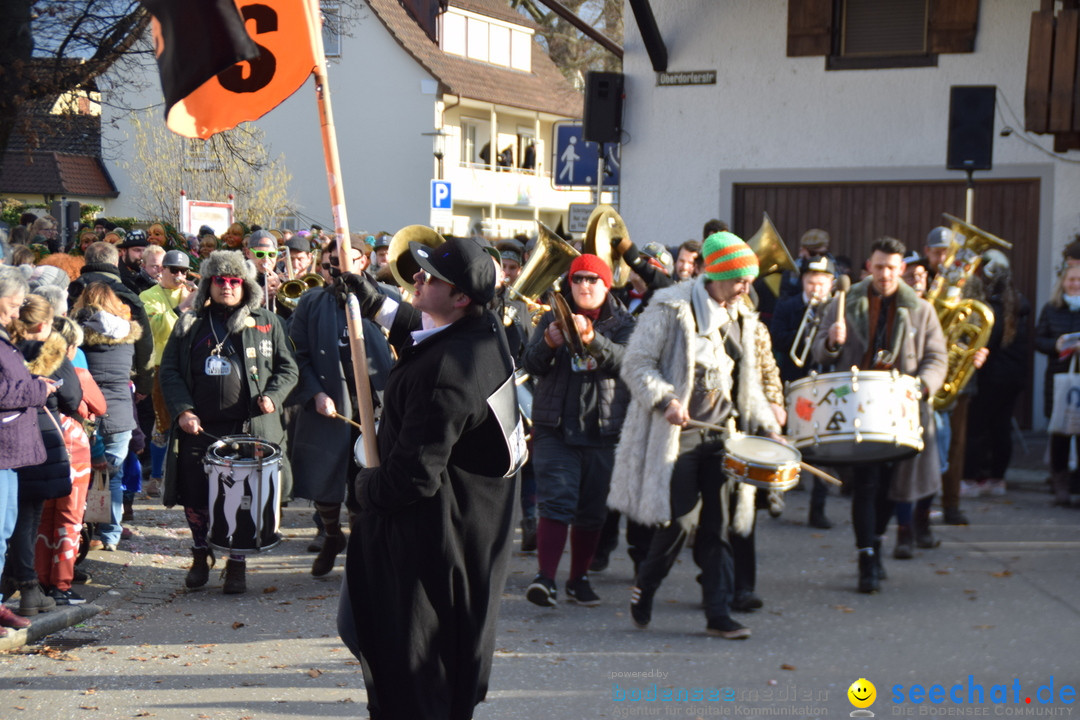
773 118
382 101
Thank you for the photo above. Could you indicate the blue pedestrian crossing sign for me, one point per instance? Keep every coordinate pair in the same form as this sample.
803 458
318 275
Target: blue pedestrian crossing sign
575 161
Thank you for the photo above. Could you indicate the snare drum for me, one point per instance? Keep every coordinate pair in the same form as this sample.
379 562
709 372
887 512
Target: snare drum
762 462
858 416
245 494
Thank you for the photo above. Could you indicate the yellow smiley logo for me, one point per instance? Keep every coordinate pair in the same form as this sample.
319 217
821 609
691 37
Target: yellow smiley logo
862 693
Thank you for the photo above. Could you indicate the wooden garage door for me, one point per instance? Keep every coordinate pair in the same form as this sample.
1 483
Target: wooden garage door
855 214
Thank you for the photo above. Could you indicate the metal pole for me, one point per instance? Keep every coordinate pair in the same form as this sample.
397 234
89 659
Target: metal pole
969 199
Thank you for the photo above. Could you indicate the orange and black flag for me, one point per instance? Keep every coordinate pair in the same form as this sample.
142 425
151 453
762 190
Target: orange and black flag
224 62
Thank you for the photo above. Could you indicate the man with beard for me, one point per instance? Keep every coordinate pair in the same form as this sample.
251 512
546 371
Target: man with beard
428 555
131 260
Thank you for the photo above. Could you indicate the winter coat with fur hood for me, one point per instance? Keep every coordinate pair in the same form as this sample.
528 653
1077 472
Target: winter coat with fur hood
51 478
271 368
144 342
659 363
109 346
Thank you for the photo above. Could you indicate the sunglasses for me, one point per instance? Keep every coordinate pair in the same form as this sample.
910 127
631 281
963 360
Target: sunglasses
586 279
177 270
426 278
223 281
264 254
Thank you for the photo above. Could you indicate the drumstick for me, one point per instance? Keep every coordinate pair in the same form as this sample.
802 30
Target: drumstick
842 286
805 466
232 445
820 473
355 424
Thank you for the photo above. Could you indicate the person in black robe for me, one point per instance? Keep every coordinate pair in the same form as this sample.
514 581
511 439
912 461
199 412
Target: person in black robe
427 557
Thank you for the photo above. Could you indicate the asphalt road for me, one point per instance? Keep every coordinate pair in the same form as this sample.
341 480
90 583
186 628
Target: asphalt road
997 604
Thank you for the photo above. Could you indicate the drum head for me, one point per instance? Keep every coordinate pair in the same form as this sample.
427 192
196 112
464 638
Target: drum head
764 451
845 451
242 450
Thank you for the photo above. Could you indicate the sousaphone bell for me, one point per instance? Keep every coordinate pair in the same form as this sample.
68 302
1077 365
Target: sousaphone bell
604 236
401 262
773 256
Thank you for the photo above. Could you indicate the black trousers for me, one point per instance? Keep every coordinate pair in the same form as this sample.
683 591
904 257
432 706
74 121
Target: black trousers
870 504
697 479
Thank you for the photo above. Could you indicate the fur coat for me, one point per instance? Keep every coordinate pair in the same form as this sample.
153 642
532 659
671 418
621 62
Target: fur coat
659 363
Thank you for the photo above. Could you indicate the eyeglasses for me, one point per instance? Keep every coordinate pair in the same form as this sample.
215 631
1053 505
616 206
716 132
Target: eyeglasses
587 279
224 281
331 262
264 254
426 278
177 270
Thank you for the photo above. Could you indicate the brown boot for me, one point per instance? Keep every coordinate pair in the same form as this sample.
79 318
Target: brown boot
235 580
1060 482
32 599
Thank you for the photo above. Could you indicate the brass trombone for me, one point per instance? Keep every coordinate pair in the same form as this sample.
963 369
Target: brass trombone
804 336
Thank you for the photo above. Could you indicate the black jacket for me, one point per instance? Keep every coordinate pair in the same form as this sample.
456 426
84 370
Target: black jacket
428 555
588 406
1054 322
144 346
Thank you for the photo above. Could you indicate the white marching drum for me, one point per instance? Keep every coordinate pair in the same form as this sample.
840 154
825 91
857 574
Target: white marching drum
762 462
857 416
245 494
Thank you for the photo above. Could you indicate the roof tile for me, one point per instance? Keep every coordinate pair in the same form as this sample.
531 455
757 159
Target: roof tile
544 89
54 173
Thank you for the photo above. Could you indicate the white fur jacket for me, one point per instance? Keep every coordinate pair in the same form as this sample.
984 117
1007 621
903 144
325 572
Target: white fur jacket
659 362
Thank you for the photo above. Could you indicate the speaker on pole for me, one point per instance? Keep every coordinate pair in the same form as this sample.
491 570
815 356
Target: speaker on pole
971 127
603 107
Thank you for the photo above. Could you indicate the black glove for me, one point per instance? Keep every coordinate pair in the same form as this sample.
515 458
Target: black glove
632 256
363 287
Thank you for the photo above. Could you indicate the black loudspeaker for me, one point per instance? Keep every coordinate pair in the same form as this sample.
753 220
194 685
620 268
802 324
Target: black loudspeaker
971 127
603 106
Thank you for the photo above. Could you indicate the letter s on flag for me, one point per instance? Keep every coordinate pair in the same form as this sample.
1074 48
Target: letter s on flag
214 76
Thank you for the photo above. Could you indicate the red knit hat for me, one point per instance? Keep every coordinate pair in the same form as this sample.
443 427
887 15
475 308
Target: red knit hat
594 265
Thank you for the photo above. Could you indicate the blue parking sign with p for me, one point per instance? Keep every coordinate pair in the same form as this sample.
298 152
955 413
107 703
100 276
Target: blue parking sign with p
441 197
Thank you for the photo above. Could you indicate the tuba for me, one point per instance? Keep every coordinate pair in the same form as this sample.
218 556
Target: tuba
773 256
401 261
604 236
966 322
289 292
549 260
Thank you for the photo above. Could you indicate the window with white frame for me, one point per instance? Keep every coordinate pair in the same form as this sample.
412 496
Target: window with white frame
331 28
486 40
475 143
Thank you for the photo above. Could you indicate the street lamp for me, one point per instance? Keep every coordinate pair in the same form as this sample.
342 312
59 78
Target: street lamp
438 149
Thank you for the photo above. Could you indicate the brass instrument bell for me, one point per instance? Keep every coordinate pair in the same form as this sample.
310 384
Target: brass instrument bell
603 235
772 254
400 259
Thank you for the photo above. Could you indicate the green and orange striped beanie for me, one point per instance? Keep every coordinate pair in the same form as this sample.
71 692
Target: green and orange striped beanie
727 257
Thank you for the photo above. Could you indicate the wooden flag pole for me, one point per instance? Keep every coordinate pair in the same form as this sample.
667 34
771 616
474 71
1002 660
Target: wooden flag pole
364 402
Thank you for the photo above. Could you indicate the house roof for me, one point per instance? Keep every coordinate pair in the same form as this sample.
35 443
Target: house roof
544 89
55 173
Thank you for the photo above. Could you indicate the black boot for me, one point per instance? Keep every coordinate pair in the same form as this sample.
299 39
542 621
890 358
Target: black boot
924 536
881 574
1059 481
235 582
199 572
817 516
868 577
904 549
129 511
528 534
324 561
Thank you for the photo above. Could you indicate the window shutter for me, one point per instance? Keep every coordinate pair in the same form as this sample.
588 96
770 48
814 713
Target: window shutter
952 26
810 27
